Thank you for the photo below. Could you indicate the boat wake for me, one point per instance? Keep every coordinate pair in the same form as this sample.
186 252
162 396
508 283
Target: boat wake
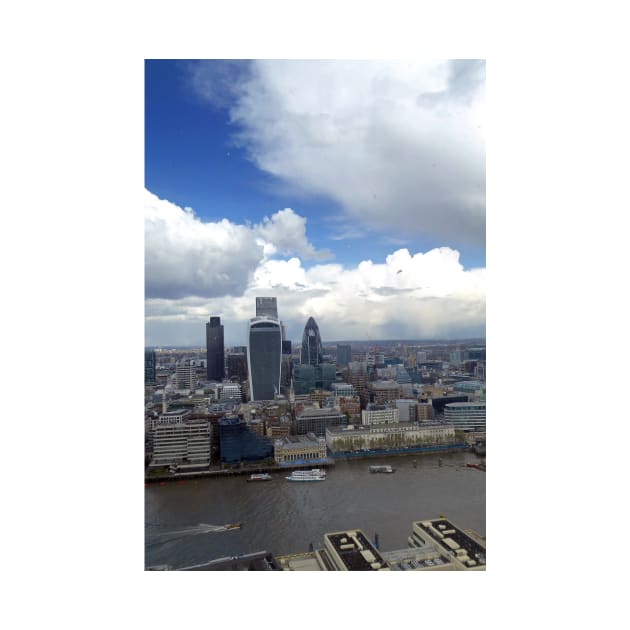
176 534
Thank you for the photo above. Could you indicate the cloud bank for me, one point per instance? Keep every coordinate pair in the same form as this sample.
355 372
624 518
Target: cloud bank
196 269
397 145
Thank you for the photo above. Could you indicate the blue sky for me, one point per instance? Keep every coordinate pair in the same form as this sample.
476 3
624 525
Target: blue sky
312 181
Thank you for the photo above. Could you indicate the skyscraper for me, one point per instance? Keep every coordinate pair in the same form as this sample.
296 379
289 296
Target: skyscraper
344 354
311 344
267 307
264 350
214 350
149 367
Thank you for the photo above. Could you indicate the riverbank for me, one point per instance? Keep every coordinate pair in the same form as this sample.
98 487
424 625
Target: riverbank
248 469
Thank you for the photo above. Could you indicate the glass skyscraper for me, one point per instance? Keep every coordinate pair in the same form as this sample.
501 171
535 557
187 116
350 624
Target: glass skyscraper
264 351
214 350
311 344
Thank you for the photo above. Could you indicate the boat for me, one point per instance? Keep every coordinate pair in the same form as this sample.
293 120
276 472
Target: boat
382 469
233 526
260 477
307 475
477 466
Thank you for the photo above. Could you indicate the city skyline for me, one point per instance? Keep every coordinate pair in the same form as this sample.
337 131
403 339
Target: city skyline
354 192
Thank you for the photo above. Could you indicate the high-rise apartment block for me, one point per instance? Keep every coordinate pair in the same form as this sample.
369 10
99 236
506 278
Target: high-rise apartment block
214 350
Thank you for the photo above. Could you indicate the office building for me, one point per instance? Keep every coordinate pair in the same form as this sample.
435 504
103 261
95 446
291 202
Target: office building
183 444
466 416
380 414
237 442
311 420
149 367
344 354
311 344
215 356
267 307
307 377
264 351
185 374
385 391
237 366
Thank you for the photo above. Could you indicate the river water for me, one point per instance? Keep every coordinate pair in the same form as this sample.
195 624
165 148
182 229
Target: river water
284 517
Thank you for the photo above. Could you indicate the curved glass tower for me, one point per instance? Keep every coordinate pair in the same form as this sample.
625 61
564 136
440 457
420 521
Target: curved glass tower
311 344
264 356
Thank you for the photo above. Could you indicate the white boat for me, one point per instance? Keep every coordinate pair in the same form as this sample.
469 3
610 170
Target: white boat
307 475
260 477
382 469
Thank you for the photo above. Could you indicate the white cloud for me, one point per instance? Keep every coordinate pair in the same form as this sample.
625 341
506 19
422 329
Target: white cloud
398 145
285 232
185 256
425 295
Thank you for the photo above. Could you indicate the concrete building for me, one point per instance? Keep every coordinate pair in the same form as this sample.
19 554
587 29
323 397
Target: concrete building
380 414
185 375
184 445
342 389
407 410
385 391
465 550
387 436
351 550
300 449
466 416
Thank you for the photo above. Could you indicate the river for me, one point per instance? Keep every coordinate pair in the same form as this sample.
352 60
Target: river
283 517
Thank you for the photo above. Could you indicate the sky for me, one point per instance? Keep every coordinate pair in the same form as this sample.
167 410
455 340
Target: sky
353 191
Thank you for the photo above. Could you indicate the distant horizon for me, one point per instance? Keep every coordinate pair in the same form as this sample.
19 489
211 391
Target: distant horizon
344 341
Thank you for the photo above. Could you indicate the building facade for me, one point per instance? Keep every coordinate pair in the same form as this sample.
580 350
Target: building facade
299 449
237 442
184 444
267 307
344 354
150 367
380 414
387 436
264 357
311 344
311 420
215 355
466 416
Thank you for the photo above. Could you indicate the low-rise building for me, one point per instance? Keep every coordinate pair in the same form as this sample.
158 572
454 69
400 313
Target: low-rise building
296 449
387 436
380 414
